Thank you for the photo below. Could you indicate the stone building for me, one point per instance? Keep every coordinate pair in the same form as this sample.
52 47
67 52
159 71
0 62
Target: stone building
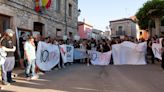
127 27
58 20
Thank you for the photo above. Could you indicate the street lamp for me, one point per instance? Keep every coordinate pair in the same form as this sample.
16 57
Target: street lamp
79 12
76 36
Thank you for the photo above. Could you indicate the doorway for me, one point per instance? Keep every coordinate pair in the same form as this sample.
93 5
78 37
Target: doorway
4 23
22 35
38 27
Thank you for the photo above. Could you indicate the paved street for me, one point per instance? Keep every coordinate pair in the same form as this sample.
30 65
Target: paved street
81 78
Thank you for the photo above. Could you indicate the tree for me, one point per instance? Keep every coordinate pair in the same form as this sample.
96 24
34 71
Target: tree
152 10
162 23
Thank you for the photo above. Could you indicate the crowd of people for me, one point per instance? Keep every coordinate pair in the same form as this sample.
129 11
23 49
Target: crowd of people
105 45
28 48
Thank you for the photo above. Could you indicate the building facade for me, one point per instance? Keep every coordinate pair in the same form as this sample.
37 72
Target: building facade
123 27
126 27
97 34
107 34
85 30
59 19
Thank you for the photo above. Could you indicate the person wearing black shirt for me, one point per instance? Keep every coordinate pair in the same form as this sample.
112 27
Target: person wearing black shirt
106 48
150 49
162 63
88 47
21 48
8 66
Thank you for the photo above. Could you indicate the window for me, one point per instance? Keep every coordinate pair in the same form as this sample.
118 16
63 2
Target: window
70 10
58 32
4 23
70 35
38 27
120 30
57 5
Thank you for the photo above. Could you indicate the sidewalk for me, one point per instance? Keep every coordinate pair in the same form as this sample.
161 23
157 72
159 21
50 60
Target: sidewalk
17 72
21 72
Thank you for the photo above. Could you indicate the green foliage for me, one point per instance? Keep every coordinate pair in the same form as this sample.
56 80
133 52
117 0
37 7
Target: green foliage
150 10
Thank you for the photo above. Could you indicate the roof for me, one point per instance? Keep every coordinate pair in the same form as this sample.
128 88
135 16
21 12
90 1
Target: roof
132 18
96 31
83 23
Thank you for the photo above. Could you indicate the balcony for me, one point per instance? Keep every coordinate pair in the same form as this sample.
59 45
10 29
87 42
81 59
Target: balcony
120 32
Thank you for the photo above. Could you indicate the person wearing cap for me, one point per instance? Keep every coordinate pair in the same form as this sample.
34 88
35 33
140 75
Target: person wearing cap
8 66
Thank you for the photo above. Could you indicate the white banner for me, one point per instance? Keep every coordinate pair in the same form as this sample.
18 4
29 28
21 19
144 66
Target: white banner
67 53
98 58
47 56
70 50
157 50
63 52
116 54
80 54
129 53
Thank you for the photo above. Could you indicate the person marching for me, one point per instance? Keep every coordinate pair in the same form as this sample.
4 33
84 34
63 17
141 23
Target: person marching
162 63
149 48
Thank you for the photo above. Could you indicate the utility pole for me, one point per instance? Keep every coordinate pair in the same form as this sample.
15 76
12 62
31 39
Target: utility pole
65 19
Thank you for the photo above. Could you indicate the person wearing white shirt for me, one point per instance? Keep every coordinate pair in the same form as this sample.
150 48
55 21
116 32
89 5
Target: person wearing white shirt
30 54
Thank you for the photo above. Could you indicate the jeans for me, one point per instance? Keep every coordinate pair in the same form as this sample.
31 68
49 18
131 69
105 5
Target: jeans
30 68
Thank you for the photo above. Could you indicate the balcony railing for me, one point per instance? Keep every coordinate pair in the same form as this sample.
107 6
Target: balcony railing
120 32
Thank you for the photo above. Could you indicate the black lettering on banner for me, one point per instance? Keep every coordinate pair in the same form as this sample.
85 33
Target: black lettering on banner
69 49
157 51
44 56
69 56
93 56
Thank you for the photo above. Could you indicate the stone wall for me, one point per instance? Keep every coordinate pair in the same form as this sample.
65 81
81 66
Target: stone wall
23 16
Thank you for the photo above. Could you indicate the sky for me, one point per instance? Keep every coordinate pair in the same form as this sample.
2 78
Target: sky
98 13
